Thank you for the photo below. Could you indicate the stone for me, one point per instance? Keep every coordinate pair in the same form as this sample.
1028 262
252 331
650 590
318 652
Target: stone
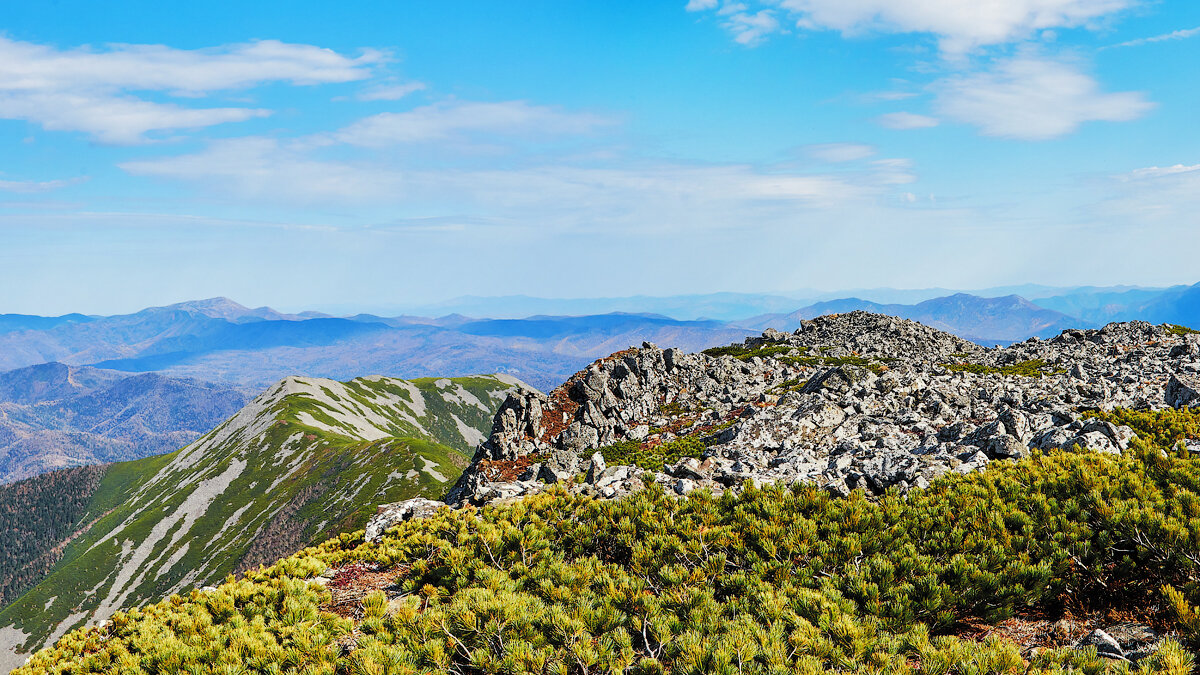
1183 391
1005 446
596 468
1104 643
390 515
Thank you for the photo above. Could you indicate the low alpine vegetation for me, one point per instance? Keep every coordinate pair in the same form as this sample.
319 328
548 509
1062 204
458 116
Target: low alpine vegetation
1030 368
778 580
652 458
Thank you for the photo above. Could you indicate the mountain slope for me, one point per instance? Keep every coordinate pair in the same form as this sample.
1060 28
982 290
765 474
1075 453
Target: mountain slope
306 459
54 416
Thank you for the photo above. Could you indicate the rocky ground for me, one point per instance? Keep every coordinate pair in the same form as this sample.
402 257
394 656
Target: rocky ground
847 401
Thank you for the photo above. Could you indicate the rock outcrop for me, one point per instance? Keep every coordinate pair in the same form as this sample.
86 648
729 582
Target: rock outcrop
845 402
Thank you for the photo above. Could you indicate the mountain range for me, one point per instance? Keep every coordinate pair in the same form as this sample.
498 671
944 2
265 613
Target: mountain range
85 389
54 416
1000 320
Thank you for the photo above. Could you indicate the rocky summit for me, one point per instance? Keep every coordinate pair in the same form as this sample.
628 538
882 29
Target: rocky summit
852 401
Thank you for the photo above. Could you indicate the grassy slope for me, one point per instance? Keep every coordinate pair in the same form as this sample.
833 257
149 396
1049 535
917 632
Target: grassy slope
305 460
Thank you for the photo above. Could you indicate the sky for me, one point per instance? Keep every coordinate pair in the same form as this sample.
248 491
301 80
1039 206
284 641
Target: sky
381 155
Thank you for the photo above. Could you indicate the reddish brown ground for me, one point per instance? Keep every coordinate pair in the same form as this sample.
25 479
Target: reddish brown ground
498 470
1040 630
348 585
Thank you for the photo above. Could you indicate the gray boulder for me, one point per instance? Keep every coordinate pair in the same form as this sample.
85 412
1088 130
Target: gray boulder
1183 391
389 515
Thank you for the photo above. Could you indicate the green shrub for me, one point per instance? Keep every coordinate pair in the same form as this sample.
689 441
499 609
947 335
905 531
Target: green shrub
634 453
1030 368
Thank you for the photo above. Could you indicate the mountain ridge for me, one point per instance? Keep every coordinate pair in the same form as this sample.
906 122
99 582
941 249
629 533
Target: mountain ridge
53 415
305 459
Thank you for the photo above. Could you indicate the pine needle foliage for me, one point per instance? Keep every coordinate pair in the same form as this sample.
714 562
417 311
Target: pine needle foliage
1030 368
771 581
1164 428
652 458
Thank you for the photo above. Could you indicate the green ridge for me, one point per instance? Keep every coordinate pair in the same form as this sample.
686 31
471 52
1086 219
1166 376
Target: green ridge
306 460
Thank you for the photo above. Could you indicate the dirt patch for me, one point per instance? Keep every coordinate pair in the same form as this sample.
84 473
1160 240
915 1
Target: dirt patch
1035 631
350 584
503 471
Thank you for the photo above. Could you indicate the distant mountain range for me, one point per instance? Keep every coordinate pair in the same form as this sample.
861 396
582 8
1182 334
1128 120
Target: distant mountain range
70 399
732 306
987 321
54 416
220 340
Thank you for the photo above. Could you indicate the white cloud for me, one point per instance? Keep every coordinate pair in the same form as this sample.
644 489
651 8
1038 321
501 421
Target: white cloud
1165 37
658 195
443 121
33 186
113 119
97 91
1159 172
699 5
840 152
751 28
1167 195
960 25
906 120
1033 99
390 92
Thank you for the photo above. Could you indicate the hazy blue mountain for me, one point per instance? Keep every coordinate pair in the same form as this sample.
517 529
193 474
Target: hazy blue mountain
54 416
161 336
1177 304
220 340
721 306
17 322
984 320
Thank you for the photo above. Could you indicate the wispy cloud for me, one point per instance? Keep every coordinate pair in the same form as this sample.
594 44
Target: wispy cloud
840 152
959 26
751 28
1031 98
1165 37
906 120
447 120
101 92
560 193
33 186
390 92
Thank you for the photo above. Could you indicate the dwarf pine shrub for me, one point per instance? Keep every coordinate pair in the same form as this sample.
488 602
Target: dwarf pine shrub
771 581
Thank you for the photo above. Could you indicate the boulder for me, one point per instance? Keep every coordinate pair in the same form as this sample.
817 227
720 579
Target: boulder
390 515
1104 643
596 468
1183 391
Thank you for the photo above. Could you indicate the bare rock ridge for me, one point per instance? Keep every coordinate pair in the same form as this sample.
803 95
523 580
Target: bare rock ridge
847 401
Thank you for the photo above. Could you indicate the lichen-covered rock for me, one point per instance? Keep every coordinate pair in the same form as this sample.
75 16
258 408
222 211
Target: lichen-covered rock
391 515
1183 391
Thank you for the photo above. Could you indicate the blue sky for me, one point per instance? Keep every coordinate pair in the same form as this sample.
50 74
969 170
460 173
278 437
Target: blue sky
388 154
